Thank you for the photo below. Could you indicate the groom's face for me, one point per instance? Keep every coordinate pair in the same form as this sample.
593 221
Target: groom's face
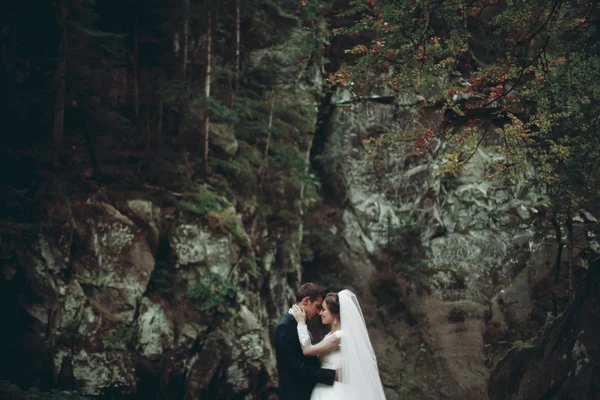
312 308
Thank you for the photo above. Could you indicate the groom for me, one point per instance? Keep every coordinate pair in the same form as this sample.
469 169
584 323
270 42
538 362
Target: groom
298 374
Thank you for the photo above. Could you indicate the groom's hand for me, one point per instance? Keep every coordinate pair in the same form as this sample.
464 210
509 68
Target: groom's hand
337 375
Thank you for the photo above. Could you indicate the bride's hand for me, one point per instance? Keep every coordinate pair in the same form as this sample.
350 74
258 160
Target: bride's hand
298 314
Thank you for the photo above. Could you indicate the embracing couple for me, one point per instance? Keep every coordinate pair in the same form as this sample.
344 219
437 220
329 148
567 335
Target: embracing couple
342 365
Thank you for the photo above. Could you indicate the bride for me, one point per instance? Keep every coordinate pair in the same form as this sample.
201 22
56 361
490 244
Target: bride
354 356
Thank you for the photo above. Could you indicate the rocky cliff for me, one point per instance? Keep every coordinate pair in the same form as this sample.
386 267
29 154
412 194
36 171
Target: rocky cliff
450 271
133 290
102 302
563 361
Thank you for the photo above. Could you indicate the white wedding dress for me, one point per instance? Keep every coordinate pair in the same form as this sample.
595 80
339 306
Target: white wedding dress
331 360
355 357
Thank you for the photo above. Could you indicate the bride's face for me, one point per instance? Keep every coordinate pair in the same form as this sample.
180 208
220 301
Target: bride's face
326 316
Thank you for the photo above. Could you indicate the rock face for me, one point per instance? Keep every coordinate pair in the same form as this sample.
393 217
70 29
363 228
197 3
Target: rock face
428 255
564 361
102 306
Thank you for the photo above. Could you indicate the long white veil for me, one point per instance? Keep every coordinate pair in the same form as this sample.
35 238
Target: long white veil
359 364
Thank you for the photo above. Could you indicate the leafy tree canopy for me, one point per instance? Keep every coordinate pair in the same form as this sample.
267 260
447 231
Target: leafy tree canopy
517 77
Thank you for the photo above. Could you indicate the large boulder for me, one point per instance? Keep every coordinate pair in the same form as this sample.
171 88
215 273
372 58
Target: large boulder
114 260
193 245
96 372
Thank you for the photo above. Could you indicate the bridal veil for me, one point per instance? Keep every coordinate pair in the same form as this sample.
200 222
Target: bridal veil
359 365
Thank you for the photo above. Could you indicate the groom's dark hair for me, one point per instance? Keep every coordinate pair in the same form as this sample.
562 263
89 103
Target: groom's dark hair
312 290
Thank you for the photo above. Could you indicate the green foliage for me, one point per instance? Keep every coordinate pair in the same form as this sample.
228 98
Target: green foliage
519 78
287 157
214 295
217 110
294 123
204 202
241 171
253 119
249 265
297 49
234 225
201 200
569 126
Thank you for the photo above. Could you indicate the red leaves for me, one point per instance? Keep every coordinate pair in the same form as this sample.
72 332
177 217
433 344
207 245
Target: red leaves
496 92
472 122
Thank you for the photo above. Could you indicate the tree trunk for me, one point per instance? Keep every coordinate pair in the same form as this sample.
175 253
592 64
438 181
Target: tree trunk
136 86
261 170
159 124
185 38
269 129
147 127
571 255
559 247
234 86
207 79
61 85
237 45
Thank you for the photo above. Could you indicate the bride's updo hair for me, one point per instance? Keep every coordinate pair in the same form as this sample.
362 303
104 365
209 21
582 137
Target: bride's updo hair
333 303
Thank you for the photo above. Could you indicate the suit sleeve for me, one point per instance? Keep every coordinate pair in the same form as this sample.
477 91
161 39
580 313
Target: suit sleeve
283 345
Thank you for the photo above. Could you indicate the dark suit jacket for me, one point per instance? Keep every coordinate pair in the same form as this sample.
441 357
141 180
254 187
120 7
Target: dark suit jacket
298 374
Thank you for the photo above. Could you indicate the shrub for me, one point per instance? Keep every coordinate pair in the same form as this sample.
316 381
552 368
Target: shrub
200 200
214 295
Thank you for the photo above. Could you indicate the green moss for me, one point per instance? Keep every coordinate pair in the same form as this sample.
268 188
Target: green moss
234 225
249 265
201 200
207 203
214 295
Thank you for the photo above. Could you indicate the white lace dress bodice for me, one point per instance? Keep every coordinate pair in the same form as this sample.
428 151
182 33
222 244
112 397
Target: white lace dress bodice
330 360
